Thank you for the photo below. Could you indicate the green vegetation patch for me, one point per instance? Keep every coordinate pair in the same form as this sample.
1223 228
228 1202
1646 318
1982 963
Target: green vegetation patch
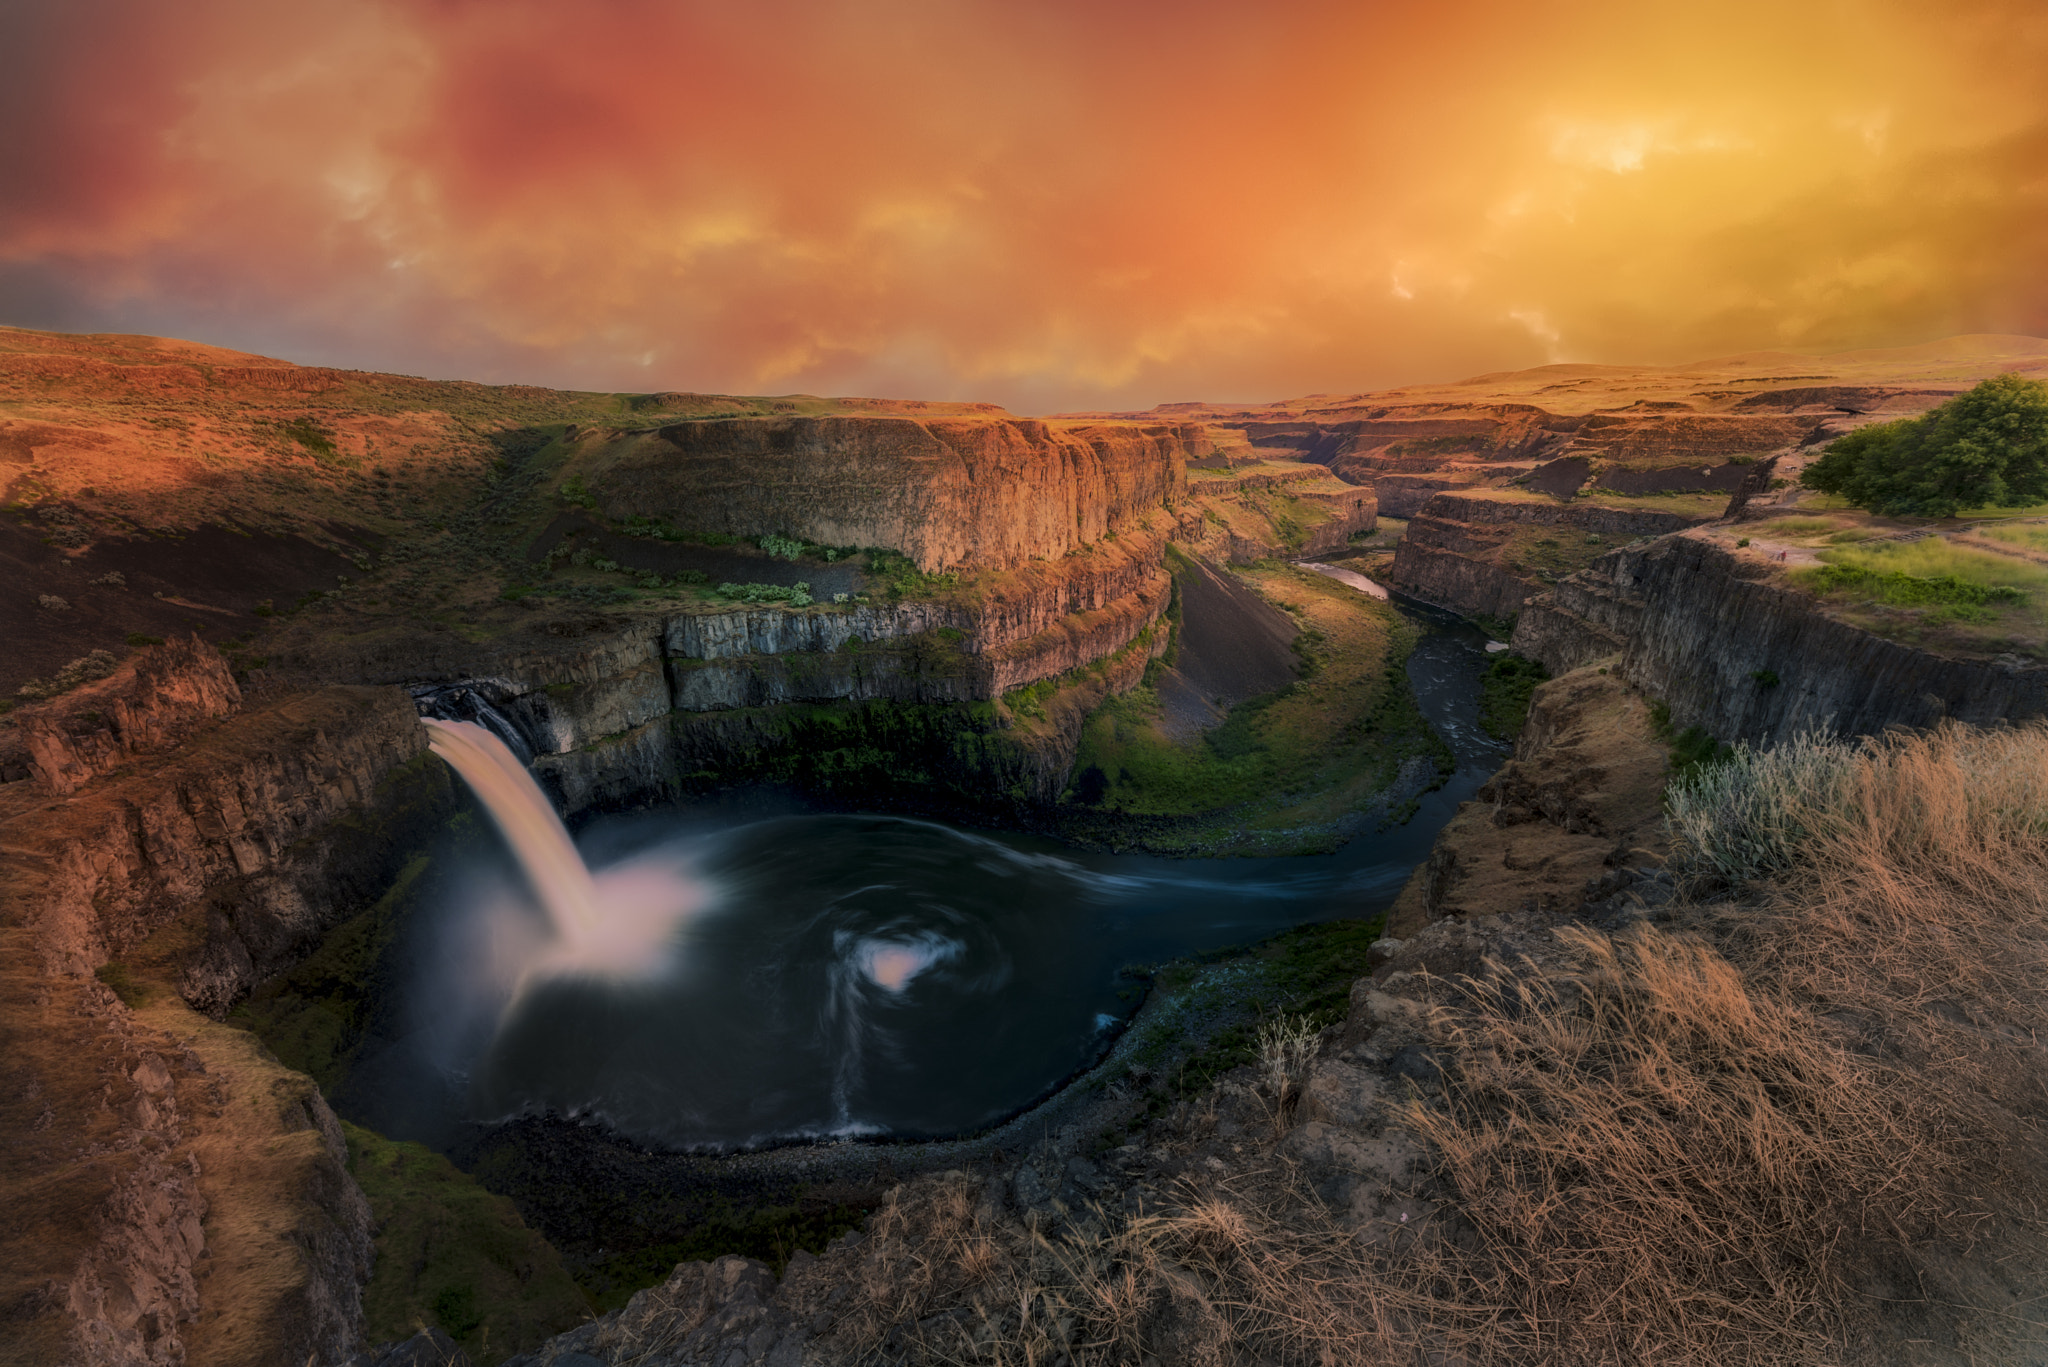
1504 692
1693 751
797 595
313 437
2032 538
897 576
1206 1009
1985 448
1935 592
313 1018
1292 771
1909 590
453 1255
1781 528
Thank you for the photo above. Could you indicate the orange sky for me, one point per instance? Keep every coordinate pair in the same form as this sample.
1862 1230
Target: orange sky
1045 203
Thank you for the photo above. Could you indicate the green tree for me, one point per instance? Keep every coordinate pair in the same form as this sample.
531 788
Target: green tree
1987 448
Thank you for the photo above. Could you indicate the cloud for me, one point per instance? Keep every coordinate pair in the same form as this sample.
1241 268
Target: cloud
1053 205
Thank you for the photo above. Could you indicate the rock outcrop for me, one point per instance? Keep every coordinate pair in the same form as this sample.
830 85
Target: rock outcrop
992 492
191 1200
146 706
1459 551
1569 819
1703 628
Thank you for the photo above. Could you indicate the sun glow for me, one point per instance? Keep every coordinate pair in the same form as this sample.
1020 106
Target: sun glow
1089 208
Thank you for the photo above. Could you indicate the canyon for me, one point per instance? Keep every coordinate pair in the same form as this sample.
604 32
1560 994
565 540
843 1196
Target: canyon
284 565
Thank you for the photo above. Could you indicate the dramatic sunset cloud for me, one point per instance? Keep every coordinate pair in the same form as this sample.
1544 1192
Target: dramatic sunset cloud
1052 204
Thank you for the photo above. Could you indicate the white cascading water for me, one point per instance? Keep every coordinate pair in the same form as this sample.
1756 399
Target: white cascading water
620 923
538 839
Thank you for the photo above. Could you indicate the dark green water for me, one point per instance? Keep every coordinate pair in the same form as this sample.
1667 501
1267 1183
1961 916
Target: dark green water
859 974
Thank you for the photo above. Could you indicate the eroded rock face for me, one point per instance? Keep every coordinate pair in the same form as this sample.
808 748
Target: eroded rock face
191 1200
230 813
146 706
1576 809
993 492
1453 552
1693 623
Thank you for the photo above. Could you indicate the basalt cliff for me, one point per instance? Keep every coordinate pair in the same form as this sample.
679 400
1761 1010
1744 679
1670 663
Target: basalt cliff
991 492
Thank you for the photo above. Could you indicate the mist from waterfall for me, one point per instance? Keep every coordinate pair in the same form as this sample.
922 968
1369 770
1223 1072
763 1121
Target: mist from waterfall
620 924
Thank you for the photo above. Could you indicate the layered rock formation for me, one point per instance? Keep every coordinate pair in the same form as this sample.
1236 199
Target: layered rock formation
1695 624
147 705
994 492
179 1169
1487 555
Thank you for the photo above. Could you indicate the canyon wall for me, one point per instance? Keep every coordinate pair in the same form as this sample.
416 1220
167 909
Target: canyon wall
192 1199
1461 550
1695 624
597 690
991 492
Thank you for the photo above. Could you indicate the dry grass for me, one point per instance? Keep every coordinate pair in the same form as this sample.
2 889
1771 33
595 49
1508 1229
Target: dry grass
1662 1165
1285 1044
1691 1146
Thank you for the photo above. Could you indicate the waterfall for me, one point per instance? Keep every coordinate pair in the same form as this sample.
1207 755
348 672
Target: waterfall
523 813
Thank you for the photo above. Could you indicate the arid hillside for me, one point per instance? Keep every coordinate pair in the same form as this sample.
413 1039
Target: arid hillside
155 486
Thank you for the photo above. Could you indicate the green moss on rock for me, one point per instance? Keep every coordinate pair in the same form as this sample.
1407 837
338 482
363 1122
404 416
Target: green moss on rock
453 1255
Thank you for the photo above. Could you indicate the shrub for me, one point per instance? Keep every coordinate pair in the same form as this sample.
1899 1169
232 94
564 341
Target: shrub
1987 448
1504 692
85 669
797 595
577 494
316 440
1751 815
1286 1044
781 547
